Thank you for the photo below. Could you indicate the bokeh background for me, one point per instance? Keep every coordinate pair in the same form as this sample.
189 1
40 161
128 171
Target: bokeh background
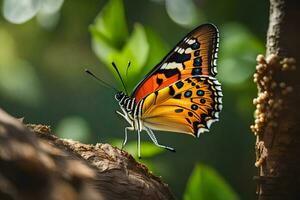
45 48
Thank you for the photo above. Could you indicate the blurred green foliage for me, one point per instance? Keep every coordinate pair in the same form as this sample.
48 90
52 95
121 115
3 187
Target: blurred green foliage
74 127
237 50
27 89
205 183
41 77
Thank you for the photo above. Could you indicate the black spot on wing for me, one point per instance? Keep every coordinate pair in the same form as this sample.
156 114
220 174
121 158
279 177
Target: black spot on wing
179 84
200 92
179 110
171 72
197 61
202 101
194 107
196 71
195 126
177 96
171 90
159 81
203 117
195 45
188 120
188 93
179 58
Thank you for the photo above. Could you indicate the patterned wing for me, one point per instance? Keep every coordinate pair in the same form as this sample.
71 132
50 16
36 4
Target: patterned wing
195 55
186 106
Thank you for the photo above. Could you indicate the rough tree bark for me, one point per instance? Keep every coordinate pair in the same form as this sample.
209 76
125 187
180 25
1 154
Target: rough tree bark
277 124
34 164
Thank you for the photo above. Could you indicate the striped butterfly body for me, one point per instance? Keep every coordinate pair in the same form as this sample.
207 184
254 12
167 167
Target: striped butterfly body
181 93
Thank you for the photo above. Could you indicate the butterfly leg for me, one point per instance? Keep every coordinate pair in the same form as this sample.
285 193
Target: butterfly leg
125 135
153 138
139 144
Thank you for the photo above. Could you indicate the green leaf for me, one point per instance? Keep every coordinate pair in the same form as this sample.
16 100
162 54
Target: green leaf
110 25
205 183
136 51
101 47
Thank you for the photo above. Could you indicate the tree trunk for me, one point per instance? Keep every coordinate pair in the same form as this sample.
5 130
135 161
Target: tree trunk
34 164
277 124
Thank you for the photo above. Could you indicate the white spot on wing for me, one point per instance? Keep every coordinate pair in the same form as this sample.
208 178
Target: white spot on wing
218 87
215 70
201 130
220 99
220 107
181 51
173 65
216 114
191 41
209 122
164 66
188 50
215 62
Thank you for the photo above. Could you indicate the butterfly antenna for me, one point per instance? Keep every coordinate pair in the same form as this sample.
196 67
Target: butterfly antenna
127 68
115 67
98 79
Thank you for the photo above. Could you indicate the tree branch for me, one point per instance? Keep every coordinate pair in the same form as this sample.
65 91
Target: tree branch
277 105
34 164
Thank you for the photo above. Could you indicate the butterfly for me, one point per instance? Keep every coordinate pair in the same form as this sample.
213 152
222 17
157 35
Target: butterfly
181 93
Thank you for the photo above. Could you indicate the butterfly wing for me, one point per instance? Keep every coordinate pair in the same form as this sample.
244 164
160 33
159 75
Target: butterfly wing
187 106
194 55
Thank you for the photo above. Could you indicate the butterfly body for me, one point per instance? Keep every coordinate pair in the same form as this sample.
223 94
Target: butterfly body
181 93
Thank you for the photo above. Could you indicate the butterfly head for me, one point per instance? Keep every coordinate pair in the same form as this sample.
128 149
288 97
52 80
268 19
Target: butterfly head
119 96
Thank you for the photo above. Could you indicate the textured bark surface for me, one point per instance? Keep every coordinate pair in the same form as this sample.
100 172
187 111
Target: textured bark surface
34 164
278 146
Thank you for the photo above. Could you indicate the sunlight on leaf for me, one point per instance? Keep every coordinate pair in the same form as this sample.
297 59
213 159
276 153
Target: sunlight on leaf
48 15
111 25
48 20
101 47
205 183
184 13
51 6
238 50
19 11
75 128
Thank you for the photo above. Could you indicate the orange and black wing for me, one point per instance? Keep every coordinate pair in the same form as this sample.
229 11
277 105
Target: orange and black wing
195 55
187 106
